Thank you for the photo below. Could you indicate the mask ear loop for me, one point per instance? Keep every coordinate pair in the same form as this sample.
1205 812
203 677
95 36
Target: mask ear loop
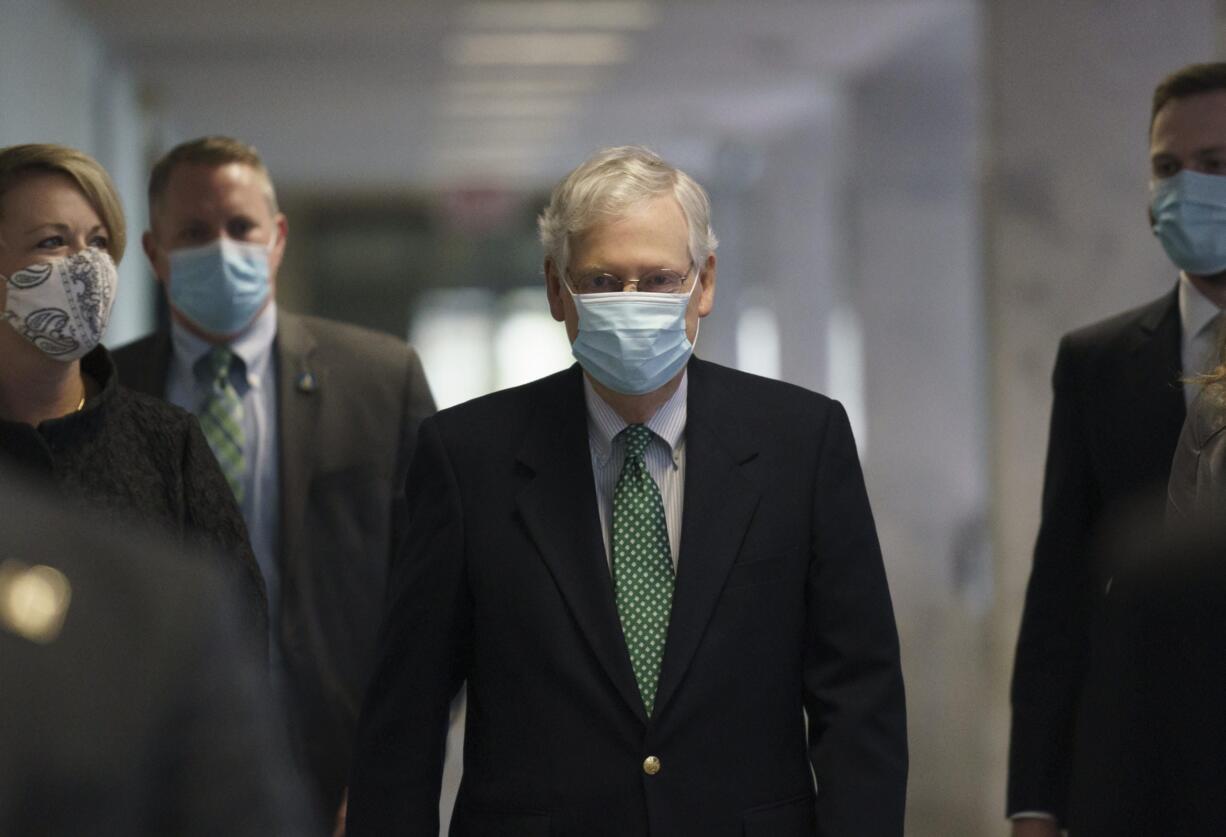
698 322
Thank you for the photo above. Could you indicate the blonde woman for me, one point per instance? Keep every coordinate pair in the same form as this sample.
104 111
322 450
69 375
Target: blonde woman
1197 488
64 419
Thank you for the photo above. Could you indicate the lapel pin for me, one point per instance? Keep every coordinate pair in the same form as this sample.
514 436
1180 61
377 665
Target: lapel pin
33 600
307 383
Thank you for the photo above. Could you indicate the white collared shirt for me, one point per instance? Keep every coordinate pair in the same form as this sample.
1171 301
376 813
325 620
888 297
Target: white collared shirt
664 457
1199 348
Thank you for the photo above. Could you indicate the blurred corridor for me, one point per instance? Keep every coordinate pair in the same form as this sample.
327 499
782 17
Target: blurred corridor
915 199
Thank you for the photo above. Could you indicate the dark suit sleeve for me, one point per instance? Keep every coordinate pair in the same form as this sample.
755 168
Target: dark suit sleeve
852 678
424 650
214 523
1053 645
418 405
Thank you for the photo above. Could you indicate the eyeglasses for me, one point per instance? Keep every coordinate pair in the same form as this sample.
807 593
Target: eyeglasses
658 281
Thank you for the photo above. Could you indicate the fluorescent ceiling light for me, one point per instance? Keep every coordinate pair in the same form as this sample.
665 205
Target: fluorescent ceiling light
576 49
504 129
521 87
599 14
493 153
510 107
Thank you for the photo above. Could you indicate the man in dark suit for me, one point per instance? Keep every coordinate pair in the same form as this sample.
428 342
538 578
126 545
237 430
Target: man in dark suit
648 569
1116 416
129 706
312 421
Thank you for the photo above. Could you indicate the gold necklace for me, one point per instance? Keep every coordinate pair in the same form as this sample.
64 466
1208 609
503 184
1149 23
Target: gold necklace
81 403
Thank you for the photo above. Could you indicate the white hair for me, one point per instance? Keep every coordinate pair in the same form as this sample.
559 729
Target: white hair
610 182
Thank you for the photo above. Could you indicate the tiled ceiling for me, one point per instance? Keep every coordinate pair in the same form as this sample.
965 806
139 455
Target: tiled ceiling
372 94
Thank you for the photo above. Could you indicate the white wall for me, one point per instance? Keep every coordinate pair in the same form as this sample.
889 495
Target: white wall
58 83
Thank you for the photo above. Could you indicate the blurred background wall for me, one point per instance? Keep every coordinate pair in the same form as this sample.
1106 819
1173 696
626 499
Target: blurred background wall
915 199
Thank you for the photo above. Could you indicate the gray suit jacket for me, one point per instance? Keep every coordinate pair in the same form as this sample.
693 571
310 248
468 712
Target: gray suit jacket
349 402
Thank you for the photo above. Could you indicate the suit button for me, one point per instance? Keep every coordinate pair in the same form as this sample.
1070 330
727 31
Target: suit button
651 765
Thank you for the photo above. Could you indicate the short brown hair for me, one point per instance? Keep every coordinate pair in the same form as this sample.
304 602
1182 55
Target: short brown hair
20 161
1191 80
207 151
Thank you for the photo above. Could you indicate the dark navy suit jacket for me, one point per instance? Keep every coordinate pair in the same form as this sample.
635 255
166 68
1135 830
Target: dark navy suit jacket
781 608
1116 417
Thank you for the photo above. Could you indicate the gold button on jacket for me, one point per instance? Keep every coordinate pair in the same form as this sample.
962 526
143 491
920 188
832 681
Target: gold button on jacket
651 765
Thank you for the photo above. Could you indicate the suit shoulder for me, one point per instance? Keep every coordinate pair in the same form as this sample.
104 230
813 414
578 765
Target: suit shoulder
367 364
513 406
760 394
1111 334
336 334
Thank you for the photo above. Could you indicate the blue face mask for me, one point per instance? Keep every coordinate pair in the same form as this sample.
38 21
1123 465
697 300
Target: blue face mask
1189 218
220 286
632 342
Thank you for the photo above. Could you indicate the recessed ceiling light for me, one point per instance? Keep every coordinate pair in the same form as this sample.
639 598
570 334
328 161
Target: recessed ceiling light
509 127
598 14
541 48
520 87
493 152
510 106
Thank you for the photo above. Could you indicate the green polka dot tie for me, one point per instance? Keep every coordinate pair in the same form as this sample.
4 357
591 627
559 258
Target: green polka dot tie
221 419
642 564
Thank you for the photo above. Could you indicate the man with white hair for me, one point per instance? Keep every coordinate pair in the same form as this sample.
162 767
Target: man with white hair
648 569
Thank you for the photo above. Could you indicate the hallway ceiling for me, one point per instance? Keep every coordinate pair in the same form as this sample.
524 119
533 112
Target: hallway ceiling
375 94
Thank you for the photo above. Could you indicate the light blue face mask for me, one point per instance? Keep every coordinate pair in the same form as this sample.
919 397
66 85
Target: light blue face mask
1189 218
631 341
220 286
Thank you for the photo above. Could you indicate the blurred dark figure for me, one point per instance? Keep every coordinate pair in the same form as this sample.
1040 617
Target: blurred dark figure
1152 729
1116 415
313 422
128 705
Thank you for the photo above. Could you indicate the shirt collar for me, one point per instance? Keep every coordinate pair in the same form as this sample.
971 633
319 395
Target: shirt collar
1195 309
603 422
253 346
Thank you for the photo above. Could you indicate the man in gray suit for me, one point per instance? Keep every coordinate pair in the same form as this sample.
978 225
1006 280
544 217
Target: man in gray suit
312 421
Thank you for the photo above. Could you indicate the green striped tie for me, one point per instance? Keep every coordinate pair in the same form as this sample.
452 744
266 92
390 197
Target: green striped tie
221 419
642 564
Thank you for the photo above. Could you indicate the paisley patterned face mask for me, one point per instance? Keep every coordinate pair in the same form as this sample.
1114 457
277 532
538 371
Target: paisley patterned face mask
63 306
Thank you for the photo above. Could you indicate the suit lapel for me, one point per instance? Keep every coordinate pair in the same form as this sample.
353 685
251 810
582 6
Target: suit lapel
301 390
557 504
1156 364
719 504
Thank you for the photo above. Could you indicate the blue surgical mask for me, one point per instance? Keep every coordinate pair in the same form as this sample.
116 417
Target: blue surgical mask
222 285
1189 218
630 341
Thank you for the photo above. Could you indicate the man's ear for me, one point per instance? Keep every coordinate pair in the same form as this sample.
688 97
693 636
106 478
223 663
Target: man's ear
706 300
154 255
